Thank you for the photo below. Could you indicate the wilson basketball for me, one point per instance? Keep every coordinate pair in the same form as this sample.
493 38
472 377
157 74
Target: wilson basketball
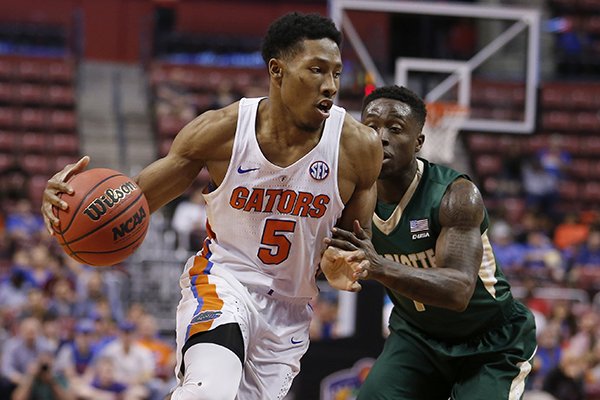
107 218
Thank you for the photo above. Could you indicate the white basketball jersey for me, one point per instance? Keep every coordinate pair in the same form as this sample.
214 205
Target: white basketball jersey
268 221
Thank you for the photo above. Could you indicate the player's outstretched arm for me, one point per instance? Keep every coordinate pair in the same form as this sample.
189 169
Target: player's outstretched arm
458 254
207 138
56 185
362 163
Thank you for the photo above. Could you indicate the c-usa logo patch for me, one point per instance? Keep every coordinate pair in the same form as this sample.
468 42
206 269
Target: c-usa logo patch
319 170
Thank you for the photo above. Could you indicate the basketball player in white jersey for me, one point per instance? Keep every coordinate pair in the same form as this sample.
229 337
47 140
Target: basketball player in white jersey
285 169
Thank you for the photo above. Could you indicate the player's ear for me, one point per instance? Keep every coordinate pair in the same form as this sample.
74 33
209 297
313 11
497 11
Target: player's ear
275 68
420 141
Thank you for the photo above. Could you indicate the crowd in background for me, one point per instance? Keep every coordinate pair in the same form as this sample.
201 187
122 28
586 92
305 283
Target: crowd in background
65 330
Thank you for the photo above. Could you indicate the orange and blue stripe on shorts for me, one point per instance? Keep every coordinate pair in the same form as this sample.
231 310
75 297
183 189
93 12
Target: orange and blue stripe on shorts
204 292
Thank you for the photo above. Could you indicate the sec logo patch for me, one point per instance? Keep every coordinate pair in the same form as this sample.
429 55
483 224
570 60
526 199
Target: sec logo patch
319 170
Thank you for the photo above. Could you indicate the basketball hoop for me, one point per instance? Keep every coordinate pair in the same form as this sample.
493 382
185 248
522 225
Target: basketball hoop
443 123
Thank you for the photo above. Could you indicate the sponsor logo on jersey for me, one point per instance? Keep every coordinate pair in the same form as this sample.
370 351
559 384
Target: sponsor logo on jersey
206 316
294 341
287 202
319 170
241 170
100 205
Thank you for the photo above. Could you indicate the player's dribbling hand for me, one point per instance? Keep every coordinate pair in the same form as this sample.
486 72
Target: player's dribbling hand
340 271
57 184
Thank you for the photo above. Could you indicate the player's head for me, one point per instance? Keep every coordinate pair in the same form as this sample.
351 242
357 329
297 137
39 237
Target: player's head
304 62
397 114
286 35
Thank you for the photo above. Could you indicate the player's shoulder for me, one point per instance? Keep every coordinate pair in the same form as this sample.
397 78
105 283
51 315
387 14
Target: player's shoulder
359 136
220 121
462 204
360 141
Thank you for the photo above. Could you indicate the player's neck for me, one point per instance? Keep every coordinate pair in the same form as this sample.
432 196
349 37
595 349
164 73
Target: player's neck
392 189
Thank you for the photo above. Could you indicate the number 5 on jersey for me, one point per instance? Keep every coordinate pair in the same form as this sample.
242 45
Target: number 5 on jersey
277 246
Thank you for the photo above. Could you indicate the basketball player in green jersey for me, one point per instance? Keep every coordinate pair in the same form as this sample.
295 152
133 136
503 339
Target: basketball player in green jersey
456 331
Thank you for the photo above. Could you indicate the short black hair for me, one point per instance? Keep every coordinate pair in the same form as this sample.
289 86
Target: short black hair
403 94
287 32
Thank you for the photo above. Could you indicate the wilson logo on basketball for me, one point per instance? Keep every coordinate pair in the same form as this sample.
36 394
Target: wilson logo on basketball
102 204
129 225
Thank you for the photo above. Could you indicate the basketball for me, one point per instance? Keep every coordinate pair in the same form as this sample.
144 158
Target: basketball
107 218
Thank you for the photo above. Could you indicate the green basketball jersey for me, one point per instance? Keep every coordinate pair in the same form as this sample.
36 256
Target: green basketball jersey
407 233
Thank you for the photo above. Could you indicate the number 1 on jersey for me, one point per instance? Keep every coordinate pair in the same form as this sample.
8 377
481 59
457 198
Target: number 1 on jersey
278 244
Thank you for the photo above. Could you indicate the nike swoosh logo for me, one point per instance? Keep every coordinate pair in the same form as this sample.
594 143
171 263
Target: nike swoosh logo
295 341
243 171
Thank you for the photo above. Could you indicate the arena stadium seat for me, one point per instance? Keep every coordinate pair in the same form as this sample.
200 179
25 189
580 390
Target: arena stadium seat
30 94
61 95
7 91
557 120
37 164
8 140
579 168
32 142
61 120
6 69
61 71
61 143
8 117
569 190
33 118
487 164
32 71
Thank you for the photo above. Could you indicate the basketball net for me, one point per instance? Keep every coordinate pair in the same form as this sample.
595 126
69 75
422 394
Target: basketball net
441 130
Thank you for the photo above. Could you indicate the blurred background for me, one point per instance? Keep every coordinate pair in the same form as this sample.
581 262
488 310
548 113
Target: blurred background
117 79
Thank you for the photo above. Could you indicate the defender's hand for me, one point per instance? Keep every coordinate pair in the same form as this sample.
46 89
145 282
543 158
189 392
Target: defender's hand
359 247
57 184
340 267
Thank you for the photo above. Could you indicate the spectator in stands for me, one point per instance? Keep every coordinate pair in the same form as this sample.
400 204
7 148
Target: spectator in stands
548 354
585 272
582 343
102 384
541 259
63 302
189 221
566 381
554 158
41 266
562 314
21 351
507 251
540 187
510 178
570 232
323 326
37 305
163 353
133 364
98 293
14 287
22 224
40 382
74 357
14 181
